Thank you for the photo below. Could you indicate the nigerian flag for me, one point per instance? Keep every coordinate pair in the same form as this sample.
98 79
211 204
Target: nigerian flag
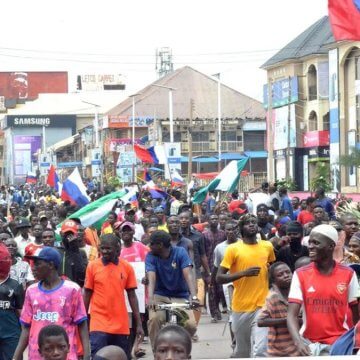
227 180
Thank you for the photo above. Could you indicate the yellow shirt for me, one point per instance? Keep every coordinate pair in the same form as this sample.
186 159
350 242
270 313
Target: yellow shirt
163 227
249 292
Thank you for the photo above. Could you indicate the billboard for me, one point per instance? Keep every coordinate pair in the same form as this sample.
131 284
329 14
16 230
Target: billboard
334 119
20 86
280 119
284 92
96 162
25 153
125 166
56 121
100 82
173 154
316 138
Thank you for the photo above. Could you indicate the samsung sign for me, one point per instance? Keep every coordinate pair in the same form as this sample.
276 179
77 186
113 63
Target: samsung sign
66 121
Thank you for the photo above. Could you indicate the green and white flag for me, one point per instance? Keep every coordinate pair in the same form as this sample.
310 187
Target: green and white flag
227 180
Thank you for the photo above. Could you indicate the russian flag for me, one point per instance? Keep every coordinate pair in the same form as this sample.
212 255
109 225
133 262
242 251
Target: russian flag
152 155
53 179
31 178
177 179
147 176
74 190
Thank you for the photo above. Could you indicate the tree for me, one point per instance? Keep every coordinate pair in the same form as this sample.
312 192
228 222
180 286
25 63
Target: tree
322 177
351 159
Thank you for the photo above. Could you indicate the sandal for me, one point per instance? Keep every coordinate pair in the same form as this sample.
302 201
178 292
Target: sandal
139 353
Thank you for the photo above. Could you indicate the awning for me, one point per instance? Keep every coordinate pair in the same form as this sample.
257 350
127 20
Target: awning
185 159
256 154
63 143
232 156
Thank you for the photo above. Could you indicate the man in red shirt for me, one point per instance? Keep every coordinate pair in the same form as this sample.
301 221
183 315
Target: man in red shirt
306 216
325 289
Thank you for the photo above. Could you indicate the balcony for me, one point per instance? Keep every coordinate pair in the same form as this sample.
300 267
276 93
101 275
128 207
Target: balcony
204 147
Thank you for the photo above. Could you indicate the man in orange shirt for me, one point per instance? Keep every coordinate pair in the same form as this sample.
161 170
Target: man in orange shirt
106 280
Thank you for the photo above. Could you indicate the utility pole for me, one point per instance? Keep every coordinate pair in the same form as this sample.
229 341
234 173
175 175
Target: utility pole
288 162
189 133
270 134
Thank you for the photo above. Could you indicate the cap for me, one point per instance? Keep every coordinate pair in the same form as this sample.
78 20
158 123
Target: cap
130 210
48 254
23 223
326 230
129 224
158 209
69 226
42 215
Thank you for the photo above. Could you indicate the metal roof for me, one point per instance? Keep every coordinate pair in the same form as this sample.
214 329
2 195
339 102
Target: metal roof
312 41
190 84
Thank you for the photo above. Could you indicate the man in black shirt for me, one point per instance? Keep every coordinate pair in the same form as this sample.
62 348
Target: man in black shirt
11 302
290 253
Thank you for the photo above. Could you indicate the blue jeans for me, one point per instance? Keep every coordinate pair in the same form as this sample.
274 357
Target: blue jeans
99 339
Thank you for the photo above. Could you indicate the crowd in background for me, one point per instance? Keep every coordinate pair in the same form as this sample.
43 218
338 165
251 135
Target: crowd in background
283 270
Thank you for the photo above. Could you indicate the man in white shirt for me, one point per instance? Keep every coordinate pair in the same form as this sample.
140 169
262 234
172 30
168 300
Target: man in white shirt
23 238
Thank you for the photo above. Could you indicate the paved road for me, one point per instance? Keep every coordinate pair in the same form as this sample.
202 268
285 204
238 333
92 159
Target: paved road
212 344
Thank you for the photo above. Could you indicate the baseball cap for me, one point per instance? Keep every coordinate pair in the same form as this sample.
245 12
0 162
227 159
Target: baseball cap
129 224
69 226
48 254
23 223
159 209
42 215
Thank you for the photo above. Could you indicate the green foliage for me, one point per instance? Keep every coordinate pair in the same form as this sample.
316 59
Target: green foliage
288 183
351 159
322 177
114 182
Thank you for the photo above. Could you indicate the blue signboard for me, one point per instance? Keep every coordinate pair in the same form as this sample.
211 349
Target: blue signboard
284 92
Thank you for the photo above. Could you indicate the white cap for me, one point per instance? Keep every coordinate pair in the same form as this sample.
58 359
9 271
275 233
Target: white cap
327 230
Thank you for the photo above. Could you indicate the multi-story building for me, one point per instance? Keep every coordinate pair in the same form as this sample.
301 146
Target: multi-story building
313 107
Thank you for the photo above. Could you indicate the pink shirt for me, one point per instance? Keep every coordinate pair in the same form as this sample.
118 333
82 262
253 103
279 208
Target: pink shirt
135 253
62 306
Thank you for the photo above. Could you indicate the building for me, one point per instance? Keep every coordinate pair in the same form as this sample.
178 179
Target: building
195 121
36 131
313 110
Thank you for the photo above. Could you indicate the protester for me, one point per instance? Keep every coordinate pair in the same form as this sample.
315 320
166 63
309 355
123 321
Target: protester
53 343
213 236
170 275
274 314
247 264
324 290
52 301
105 300
24 238
20 270
172 343
290 253
110 352
11 302
325 203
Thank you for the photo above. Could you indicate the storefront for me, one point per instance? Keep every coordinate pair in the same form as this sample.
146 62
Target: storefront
24 141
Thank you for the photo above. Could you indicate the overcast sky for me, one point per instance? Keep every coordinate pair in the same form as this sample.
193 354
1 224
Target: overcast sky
233 37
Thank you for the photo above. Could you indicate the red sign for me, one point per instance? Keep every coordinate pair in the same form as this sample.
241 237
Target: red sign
118 122
20 86
316 138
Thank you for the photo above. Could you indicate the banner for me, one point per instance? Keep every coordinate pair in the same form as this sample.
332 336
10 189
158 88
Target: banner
173 154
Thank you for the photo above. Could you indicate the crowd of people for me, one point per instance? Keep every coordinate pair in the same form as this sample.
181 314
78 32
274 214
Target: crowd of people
282 270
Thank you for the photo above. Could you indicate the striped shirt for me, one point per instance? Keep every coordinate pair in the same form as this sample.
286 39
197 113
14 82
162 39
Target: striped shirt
280 342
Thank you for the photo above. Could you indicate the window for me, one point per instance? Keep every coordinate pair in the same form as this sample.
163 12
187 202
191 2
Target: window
313 121
228 136
254 140
312 83
200 136
326 122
